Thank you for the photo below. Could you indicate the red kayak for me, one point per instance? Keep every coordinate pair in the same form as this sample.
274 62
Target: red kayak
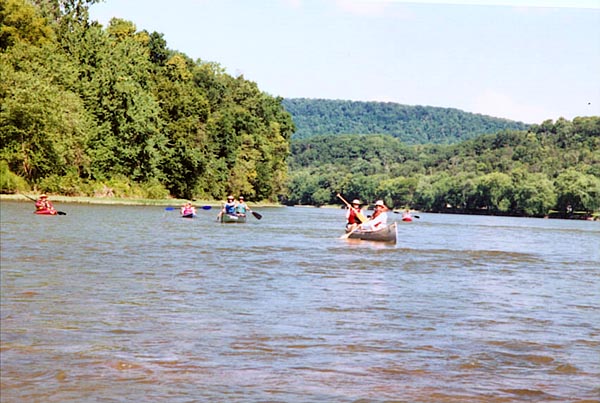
46 211
407 219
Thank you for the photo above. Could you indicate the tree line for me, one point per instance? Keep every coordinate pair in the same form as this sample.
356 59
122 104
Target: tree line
411 124
88 110
550 169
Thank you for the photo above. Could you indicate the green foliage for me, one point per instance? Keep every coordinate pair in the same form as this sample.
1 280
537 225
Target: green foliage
43 125
22 22
9 181
153 189
549 167
577 191
411 124
82 106
69 185
533 194
494 191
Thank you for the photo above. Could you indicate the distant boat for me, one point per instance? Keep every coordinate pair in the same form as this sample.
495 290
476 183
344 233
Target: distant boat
388 233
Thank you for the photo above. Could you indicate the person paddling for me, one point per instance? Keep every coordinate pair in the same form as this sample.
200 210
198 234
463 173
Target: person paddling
228 207
378 219
43 204
406 215
352 215
187 209
241 207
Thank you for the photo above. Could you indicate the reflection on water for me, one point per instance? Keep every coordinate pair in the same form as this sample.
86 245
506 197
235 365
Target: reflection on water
136 304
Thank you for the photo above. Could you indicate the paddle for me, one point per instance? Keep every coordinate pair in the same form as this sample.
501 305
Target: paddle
173 208
359 215
257 215
31 198
345 236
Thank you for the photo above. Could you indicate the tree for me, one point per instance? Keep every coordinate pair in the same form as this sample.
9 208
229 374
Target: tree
494 191
577 191
398 192
43 124
533 194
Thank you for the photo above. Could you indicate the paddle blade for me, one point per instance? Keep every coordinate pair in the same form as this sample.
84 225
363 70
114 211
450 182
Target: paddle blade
206 207
169 208
347 234
61 213
256 215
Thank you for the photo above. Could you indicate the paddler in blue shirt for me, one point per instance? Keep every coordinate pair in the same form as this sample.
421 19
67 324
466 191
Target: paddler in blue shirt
228 207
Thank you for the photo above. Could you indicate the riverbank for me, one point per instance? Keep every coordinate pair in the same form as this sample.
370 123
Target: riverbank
218 204
576 215
125 201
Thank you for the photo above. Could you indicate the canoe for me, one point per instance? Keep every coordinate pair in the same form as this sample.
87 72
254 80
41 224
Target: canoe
385 234
232 218
46 212
190 215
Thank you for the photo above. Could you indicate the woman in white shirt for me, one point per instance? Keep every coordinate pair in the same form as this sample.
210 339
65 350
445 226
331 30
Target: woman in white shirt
378 219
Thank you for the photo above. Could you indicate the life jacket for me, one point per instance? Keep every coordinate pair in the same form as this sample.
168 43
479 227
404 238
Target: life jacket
44 205
352 217
230 208
240 208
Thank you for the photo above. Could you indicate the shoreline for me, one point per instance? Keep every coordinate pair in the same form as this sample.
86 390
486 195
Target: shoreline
18 197
123 201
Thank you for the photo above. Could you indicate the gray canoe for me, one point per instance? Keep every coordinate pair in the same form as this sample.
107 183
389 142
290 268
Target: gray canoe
388 233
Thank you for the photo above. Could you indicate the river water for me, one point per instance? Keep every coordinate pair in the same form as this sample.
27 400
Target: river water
134 304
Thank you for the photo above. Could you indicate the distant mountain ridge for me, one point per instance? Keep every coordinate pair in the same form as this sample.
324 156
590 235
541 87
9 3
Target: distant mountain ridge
411 124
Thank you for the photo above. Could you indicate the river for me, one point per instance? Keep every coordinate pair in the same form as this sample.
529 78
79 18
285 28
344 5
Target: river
134 304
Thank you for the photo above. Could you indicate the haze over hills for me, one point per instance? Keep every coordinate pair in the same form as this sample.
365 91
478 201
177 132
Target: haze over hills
410 124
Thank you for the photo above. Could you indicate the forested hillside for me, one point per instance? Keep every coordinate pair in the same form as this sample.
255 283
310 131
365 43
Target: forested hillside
411 124
92 110
554 166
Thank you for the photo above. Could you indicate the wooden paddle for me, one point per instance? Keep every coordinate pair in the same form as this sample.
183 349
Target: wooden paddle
359 215
346 235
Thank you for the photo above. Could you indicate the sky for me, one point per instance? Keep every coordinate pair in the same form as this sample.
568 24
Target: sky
526 60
